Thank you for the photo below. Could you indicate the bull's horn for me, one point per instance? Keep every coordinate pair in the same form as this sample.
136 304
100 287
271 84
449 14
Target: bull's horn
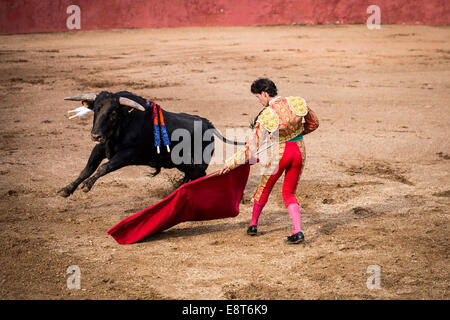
81 97
130 103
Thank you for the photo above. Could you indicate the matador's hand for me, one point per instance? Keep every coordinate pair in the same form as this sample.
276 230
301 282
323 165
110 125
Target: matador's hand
225 169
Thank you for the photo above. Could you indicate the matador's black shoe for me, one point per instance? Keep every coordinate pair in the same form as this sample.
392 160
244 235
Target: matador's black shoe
252 231
295 238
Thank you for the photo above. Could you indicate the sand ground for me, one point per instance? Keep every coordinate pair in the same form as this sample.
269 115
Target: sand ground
375 189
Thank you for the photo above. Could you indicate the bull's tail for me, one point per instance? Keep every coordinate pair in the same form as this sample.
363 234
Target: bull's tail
236 143
220 136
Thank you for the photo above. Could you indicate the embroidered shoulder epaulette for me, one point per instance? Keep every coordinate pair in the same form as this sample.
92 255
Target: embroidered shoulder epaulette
298 105
268 119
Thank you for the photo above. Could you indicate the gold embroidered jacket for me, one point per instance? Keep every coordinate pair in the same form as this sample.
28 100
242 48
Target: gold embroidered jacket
282 120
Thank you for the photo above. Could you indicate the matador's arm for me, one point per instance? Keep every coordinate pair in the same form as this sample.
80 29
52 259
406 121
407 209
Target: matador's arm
311 122
252 145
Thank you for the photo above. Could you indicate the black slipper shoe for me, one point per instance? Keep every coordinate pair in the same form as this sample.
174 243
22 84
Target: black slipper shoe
295 238
251 231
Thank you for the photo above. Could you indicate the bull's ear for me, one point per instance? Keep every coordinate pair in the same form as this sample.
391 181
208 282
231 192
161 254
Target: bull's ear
88 104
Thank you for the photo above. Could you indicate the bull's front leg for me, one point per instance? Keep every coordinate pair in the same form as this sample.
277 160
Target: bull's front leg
96 157
119 160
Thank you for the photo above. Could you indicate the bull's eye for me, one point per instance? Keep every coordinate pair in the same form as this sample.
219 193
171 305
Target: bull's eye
113 115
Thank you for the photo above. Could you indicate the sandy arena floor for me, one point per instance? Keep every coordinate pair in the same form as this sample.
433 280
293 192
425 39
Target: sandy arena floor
375 190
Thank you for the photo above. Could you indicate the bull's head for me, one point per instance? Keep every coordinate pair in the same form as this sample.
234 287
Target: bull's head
108 109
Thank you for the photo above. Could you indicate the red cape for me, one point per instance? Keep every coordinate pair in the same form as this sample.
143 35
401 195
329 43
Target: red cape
207 198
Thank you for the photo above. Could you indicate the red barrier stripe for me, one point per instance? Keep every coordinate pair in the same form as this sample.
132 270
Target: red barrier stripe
27 16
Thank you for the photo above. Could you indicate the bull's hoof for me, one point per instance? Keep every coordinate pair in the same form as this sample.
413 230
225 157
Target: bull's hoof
86 187
64 193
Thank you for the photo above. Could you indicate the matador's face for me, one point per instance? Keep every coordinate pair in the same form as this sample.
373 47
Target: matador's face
263 98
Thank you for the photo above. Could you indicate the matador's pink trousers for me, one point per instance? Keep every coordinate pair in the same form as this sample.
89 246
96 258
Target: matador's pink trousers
291 162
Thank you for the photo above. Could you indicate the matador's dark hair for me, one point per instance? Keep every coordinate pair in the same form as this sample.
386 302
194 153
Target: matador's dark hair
264 84
260 85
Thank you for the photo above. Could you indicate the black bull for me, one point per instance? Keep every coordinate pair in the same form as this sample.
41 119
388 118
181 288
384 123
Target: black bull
125 137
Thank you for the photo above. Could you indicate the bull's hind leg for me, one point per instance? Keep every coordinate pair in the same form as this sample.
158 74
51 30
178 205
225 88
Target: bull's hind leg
195 173
157 171
190 173
96 157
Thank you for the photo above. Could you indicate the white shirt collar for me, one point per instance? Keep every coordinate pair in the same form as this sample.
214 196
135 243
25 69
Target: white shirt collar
276 98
